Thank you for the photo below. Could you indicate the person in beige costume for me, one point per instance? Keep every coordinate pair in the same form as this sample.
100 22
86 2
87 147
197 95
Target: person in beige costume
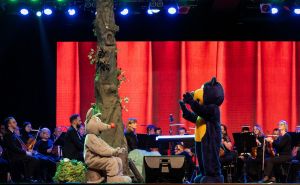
99 157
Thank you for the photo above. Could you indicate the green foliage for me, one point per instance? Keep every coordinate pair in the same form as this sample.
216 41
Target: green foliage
70 171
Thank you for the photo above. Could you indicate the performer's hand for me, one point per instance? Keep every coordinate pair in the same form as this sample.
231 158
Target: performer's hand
269 139
49 150
182 106
28 153
119 151
188 98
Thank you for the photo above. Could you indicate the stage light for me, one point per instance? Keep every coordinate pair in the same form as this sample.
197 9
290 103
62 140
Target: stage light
274 10
24 11
71 11
47 11
152 11
12 1
39 13
125 11
265 8
297 11
172 10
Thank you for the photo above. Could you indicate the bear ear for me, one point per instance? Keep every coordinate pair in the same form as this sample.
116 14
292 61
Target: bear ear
213 81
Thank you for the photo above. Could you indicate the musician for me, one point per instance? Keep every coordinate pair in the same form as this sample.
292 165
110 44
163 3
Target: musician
226 152
158 131
56 134
3 167
73 145
81 131
130 135
17 155
245 129
182 131
2 133
17 131
151 130
26 132
276 133
48 161
254 162
282 146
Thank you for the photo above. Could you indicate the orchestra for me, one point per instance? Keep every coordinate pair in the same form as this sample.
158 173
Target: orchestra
31 149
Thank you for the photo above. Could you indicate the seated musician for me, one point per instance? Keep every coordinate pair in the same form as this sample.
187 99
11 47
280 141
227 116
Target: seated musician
56 133
189 164
2 133
26 132
254 162
48 161
158 131
73 144
226 151
18 156
151 131
81 131
282 146
182 131
276 133
3 167
130 135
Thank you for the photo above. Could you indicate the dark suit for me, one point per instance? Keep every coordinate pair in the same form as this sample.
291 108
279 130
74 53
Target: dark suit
17 157
73 146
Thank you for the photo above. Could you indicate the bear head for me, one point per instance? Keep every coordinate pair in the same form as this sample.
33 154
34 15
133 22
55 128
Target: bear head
210 93
94 125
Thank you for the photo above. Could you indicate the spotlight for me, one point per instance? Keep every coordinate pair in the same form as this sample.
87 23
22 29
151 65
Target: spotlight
47 11
274 10
152 11
149 11
172 10
125 11
297 11
71 11
39 13
24 11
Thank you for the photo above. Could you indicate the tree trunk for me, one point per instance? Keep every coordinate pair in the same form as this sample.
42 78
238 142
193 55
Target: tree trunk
106 78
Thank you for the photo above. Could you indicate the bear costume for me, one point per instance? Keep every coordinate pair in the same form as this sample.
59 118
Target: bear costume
205 113
100 158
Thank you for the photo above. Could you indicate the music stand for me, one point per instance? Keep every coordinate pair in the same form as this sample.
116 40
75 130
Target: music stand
244 143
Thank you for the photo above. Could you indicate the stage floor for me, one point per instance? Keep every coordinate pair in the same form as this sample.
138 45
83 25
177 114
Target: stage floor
172 183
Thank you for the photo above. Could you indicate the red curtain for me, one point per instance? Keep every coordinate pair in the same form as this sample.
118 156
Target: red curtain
259 78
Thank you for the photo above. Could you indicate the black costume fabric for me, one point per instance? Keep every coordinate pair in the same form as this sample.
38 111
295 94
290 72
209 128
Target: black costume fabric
207 150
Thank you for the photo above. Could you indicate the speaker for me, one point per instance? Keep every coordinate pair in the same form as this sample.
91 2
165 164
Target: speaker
164 169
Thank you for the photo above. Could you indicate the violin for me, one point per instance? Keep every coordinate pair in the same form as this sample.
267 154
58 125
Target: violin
270 147
32 141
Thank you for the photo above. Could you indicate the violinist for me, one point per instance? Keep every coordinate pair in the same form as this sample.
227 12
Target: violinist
254 162
26 135
282 146
48 161
226 151
17 154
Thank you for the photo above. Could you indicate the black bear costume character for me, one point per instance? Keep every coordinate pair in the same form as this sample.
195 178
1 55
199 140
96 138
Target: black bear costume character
205 104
